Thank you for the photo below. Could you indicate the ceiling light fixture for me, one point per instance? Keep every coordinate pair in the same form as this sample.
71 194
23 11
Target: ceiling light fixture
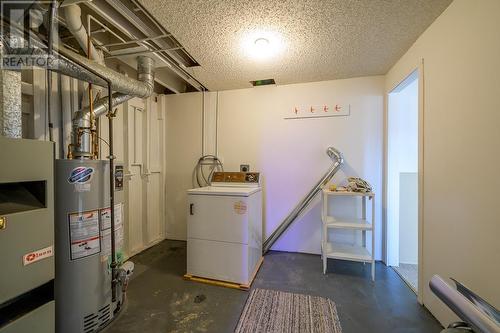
262 45
261 42
262 48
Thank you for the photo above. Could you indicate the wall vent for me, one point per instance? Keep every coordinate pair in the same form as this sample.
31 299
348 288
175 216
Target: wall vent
264 82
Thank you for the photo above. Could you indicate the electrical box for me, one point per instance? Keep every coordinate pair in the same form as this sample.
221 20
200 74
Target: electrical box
26 234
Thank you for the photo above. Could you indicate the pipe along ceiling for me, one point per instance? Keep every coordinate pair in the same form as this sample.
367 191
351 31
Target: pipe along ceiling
67 62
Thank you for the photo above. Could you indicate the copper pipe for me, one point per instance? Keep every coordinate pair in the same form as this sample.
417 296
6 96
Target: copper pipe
69 156
95 144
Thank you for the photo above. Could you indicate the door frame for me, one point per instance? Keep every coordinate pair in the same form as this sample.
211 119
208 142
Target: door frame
419 68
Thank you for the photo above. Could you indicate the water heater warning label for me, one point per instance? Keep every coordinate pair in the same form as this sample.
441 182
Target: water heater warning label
84 234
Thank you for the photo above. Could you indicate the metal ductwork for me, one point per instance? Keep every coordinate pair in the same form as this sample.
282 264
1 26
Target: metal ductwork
338 158
69 63
81 137
145 74
119 82
479 315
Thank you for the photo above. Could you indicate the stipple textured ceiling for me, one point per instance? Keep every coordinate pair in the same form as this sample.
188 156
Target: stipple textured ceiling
317 39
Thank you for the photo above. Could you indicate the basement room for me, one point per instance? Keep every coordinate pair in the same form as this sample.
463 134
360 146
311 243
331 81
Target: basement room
267 166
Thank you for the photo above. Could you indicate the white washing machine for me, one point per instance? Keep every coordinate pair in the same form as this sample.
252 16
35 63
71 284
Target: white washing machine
224 228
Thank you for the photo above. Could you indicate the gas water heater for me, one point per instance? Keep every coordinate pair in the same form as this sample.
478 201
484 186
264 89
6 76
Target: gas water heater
83 291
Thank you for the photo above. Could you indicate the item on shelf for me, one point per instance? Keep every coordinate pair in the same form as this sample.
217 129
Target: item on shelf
358 185
333 187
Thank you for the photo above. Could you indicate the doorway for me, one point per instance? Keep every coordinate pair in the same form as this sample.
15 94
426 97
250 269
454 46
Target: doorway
402 180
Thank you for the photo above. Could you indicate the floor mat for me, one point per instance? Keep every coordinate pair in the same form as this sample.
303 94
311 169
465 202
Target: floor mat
277 311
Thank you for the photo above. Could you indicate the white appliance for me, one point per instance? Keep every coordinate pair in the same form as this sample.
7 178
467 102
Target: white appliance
224 228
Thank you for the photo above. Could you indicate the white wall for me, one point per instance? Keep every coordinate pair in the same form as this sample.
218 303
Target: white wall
461 224
183 143
408 218
291 154
402 158
139 142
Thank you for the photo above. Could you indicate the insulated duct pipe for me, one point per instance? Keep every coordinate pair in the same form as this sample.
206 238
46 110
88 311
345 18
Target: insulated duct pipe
463 307
119 82
58 64
67 62
336 156
10 94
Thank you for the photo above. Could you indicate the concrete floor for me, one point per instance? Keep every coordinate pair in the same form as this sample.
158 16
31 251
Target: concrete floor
159 300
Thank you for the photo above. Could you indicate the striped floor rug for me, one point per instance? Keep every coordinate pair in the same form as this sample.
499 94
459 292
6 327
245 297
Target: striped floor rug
282 312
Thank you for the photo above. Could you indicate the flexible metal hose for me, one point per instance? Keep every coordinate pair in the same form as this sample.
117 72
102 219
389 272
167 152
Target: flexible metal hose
336 156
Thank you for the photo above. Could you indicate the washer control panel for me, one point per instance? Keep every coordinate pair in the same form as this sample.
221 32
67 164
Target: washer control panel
236 177
252 177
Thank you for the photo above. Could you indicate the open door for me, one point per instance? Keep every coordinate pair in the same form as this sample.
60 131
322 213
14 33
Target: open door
402 181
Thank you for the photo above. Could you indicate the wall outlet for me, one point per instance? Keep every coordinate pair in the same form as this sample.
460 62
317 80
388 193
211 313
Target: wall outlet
244 167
